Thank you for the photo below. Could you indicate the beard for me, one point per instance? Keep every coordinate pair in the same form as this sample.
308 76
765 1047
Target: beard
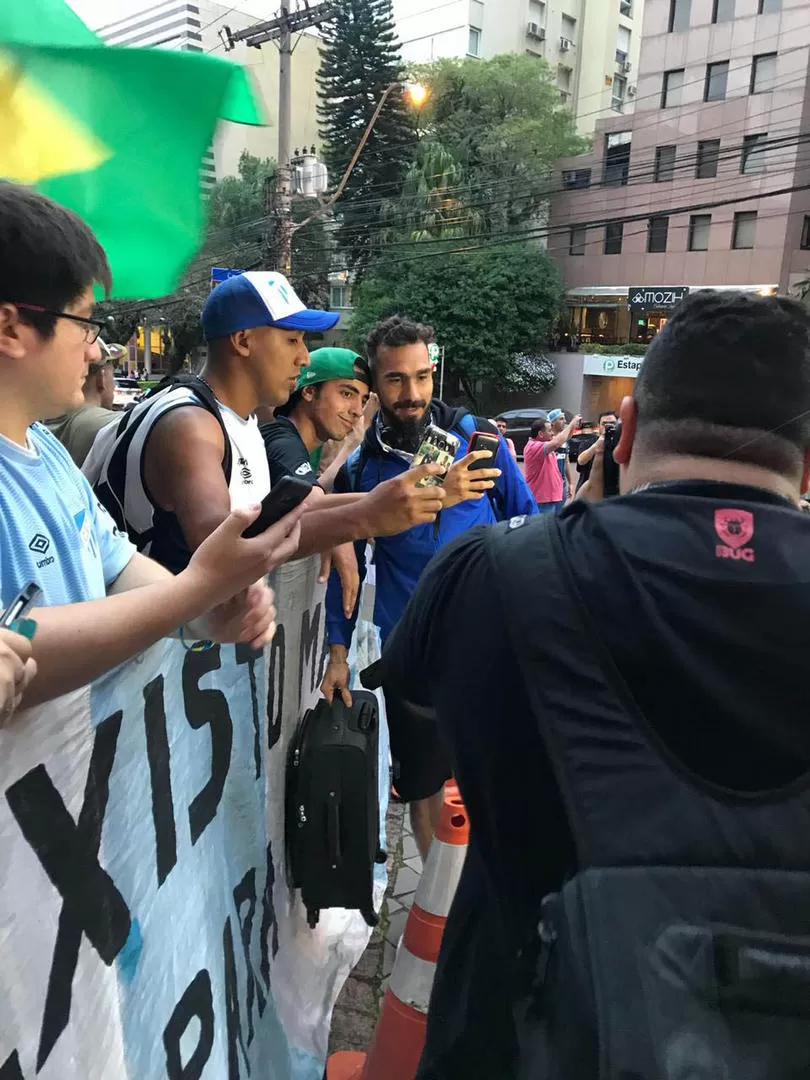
404 433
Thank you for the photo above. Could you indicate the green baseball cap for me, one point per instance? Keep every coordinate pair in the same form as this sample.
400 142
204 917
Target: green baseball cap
332 363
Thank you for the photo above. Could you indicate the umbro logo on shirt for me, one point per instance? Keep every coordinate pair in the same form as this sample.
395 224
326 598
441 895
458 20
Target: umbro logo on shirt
40 544
303 469
244 470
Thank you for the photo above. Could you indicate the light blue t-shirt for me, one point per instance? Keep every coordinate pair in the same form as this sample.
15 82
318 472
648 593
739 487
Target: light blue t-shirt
53 531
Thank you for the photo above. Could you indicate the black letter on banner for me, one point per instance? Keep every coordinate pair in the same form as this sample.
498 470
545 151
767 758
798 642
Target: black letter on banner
157 752
310 634
269 920
197 1000
245 893
207 707
69 855
11 1070
275 688
232 1006
246 655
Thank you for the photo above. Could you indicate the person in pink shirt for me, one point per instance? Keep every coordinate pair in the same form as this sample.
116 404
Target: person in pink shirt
540 464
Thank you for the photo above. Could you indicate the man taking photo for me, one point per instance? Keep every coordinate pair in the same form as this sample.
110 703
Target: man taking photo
543 474
642 746
402 376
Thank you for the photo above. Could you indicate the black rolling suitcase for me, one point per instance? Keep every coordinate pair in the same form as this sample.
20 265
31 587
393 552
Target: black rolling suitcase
333 811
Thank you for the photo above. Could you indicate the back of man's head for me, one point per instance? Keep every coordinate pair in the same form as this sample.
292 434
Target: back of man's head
729 377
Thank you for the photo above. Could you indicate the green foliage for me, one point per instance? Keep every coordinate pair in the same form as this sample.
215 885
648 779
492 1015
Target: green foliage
238 199
530 374
436 202
503 122
632 348
485 306
359 61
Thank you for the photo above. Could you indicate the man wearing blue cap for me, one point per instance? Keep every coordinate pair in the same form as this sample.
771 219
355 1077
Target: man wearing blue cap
192 451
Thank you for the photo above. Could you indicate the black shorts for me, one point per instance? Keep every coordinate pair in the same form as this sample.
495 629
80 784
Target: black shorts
421 764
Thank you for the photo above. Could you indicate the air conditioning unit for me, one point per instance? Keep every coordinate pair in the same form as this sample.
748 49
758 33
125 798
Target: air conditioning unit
626 66
565 44
631 90
536 31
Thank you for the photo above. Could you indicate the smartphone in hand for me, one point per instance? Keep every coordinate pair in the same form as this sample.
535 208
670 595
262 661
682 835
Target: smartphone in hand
288 493
438 447
483 440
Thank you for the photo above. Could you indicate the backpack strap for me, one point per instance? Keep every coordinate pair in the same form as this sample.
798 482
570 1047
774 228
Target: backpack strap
206 395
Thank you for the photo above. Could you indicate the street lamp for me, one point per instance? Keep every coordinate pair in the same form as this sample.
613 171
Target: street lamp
417 95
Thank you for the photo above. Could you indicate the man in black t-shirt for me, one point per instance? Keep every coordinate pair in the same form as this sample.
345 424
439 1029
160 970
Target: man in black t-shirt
327 405
586 453
698 580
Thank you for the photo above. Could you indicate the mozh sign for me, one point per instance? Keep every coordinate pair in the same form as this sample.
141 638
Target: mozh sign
656 296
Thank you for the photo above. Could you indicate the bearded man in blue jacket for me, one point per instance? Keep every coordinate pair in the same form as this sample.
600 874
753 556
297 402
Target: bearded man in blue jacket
402 375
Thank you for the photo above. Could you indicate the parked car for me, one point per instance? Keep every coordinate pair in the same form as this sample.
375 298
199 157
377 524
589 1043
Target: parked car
519 425
127 392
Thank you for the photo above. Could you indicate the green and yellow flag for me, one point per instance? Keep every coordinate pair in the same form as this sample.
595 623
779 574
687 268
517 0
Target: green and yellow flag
116 134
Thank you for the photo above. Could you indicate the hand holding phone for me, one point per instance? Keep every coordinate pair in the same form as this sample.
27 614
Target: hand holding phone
483 440
288 493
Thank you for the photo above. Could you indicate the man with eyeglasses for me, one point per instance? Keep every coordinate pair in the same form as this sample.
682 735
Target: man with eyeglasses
77 429
102 603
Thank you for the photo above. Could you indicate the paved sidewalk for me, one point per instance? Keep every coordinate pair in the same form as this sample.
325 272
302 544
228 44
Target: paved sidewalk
357 1008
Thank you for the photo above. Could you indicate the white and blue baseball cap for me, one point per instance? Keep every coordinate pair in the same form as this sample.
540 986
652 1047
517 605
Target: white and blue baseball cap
259 298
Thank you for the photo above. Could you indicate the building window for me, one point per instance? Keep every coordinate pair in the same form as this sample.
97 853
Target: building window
568 28
664 163
805 244
753 153
673 85
577 240
763 73
716 81
623 47
564 79
616 165
338 296
576 179
679 15
614 233
474 42
657 230
722 11
619 93
708 154
745 227
626 8
699 226
768 7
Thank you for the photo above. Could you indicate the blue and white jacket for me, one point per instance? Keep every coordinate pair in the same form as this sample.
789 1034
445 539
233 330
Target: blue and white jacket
400 559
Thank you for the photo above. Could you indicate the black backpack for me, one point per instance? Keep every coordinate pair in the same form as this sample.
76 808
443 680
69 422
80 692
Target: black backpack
680 947
115 442
332 807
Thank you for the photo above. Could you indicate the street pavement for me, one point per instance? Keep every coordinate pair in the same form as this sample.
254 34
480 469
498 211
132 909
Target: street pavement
357 1008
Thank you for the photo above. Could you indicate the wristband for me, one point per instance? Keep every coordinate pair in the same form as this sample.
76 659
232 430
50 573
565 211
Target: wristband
195 646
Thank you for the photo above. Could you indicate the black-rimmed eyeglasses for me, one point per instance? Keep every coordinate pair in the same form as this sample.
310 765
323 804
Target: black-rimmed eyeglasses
92 328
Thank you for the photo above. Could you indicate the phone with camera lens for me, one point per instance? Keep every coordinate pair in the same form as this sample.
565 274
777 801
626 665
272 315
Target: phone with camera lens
438 447
483 440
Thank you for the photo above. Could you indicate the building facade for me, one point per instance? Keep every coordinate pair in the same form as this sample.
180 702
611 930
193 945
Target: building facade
707 185
592 46
195 25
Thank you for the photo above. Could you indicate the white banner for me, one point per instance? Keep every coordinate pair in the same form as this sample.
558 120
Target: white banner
627 367
146 927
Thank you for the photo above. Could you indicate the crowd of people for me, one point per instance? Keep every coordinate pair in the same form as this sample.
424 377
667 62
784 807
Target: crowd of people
611 682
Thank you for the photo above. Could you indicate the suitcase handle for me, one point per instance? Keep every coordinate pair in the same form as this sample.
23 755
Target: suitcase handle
333 831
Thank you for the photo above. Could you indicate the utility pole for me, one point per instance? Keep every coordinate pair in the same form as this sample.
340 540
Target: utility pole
278 200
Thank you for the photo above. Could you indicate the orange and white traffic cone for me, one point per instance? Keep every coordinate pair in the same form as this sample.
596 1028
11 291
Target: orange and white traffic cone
400 1035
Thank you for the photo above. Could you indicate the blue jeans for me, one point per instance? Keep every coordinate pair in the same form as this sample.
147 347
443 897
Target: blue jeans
549 508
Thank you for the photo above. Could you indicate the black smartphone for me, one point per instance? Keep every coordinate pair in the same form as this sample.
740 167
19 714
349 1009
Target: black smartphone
288 493
483 440
613 432
22 603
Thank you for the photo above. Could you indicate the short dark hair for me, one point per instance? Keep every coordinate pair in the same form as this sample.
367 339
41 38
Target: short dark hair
537 427
607 412
394 332
729 377
48 255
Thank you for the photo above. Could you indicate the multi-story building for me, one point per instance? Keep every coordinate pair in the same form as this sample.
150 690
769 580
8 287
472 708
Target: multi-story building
592 46
195 25
707 185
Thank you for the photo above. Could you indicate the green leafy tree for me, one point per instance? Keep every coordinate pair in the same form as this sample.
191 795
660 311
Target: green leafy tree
436 202
503 123
360 59
487 307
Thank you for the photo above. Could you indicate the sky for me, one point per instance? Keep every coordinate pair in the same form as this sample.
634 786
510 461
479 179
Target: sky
102 12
